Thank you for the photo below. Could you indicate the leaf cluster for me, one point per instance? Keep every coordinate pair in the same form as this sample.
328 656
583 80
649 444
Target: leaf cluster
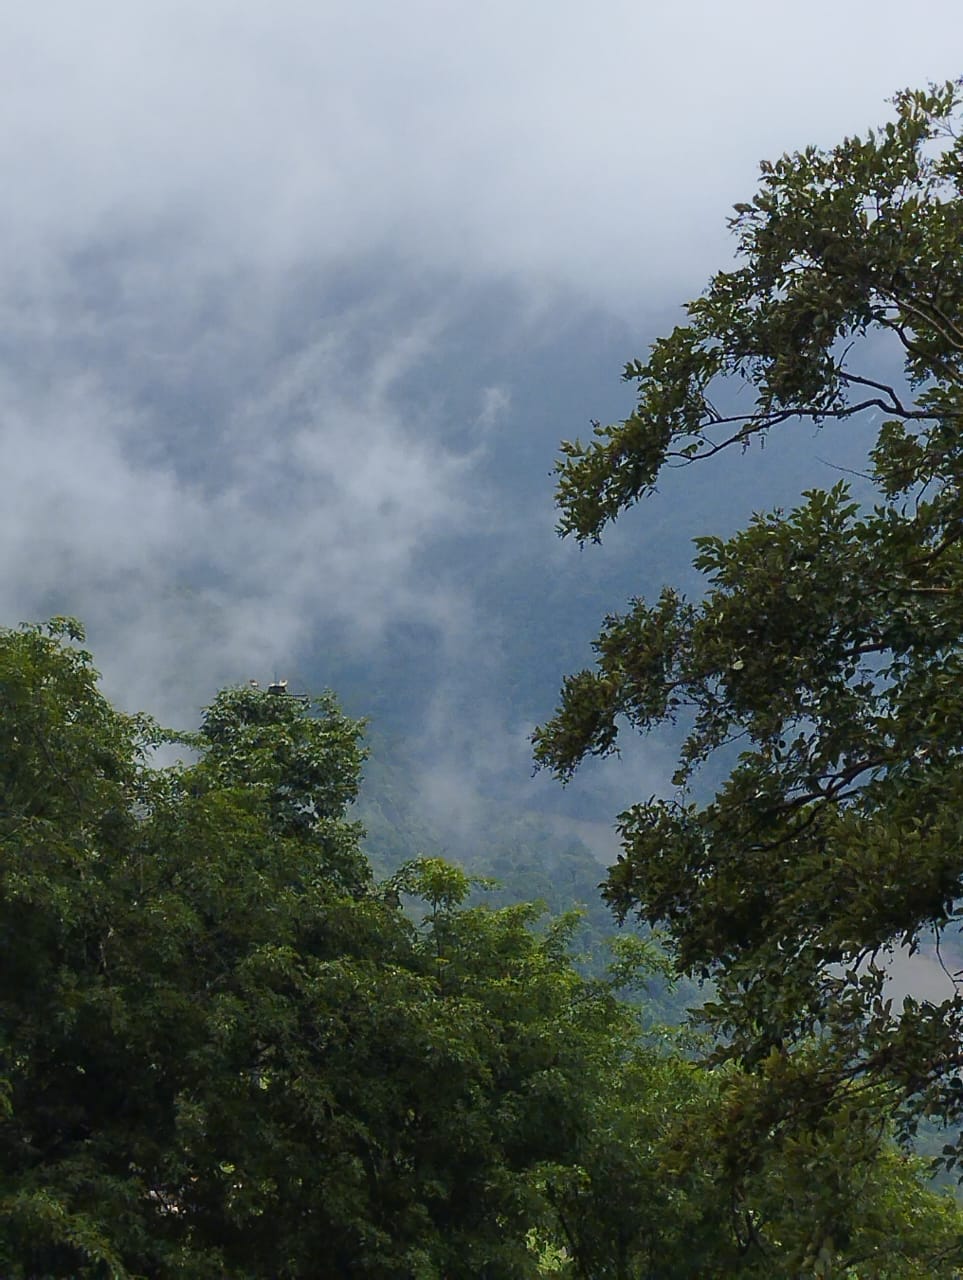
823 662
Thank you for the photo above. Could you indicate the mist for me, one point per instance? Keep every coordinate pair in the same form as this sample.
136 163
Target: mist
296 305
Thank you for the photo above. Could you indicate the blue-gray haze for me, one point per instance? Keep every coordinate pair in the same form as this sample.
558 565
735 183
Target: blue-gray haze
297 301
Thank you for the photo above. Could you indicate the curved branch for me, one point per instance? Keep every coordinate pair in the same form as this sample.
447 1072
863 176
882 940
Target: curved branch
953 339
927 357
897 405
763 421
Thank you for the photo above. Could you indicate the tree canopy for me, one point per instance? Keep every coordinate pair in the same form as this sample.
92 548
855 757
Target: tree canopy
822 663
226 1050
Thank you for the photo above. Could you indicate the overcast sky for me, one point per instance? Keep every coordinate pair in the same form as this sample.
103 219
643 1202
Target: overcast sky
270 275
594 145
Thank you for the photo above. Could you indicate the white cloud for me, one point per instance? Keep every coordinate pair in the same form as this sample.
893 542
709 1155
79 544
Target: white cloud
208 480
309 513
595 146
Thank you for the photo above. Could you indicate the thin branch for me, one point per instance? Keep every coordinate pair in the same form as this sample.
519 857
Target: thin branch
871 646
954 339
949 372
942 963
950 540
862 475
763 421
897 405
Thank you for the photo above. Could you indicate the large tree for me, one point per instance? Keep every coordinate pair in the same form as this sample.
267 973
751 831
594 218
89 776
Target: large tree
821 669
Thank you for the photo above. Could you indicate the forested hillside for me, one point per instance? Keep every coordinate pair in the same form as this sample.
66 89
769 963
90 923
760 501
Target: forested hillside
518 856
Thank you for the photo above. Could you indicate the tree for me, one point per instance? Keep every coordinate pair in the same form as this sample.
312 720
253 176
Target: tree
160 932
651 1195
827 643
223 1049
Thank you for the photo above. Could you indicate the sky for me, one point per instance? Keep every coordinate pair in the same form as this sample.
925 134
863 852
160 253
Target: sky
297 300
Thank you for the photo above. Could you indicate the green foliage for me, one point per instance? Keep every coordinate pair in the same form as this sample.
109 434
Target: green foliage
225 1051
837 1201
512 857
827 644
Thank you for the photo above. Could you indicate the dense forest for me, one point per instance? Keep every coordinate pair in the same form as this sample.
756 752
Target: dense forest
230 1050
257 1019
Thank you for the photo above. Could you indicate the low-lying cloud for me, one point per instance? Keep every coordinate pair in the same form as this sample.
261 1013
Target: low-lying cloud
236 239
301 508
597 147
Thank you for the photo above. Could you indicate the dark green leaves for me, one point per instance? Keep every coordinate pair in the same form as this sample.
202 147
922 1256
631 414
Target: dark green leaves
836 244
827 648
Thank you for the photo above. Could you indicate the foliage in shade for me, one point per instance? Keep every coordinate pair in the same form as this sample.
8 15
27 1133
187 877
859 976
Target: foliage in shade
226 1051
827 644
